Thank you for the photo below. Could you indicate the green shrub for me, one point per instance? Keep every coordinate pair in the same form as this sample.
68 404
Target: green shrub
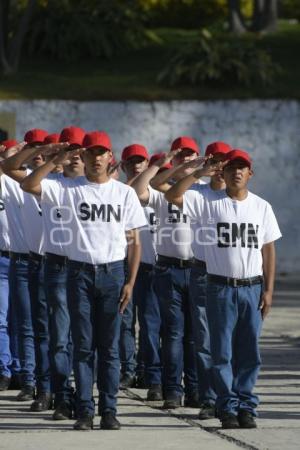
70 30
289 9
219 59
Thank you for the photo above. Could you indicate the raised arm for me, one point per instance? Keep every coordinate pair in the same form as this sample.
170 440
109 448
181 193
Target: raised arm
269 263
13 166
32 183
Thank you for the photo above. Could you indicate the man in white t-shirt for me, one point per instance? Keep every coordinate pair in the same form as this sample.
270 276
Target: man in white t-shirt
135 159
9 362
172 273
103 216
240 230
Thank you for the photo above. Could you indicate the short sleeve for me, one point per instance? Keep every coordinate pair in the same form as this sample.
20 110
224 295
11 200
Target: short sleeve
271 228
134 213
154 198
193 202
51 191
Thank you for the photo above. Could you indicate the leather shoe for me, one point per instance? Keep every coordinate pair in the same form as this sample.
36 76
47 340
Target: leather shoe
84 423
26 393
172 403
4 383
127 381
63 411
246 419
43 402
109 422
192 400
207 411
229 421
154 393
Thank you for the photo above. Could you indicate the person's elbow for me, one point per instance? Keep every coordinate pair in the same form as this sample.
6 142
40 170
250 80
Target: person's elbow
175 200
27 186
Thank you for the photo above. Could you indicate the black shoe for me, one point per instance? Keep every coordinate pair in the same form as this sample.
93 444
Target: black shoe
192 400
63 411
43 402
154 393
127 381
26 393
15 383
172 403
246 419
140 382
207 411
84 423
229 420
4 383
109 422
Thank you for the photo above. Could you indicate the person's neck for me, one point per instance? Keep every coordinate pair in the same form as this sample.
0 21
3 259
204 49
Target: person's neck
101 178
237 194
217 185
71 174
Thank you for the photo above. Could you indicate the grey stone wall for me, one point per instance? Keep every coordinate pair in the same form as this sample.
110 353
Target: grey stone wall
269 130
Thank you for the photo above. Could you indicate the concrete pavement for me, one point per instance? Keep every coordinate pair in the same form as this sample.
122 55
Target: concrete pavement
145 426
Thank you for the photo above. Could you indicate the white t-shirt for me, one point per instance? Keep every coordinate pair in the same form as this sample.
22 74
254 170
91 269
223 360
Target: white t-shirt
233 232
13 198
148 237
4 236
53 222
174 235
98 217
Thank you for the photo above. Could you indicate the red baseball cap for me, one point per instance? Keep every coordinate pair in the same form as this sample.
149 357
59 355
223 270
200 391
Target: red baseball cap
73 135
52 138
156 157
239 154
8 143
217 147
134 150
185 142
35 136
97 139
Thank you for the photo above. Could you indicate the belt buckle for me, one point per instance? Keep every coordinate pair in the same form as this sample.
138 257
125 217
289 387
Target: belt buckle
234 282
181 263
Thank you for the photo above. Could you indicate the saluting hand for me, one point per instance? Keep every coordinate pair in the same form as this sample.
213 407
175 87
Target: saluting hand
125 297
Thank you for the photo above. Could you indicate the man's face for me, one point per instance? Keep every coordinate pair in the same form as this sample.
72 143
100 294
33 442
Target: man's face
237 173
134 166
182 157
36 161
96 160
217 157
75 166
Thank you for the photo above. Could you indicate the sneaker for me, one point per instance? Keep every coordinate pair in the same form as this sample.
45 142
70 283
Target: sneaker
154 393
246 419
84 423
172 403
192 400
43 402
127 381
63 411
207 411
4 383
229 420
26 393
109 422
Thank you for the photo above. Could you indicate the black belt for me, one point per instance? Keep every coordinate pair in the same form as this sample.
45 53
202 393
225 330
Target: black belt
4 253
235 282
36 256
16 256
176 262
146 266
56 259
199 263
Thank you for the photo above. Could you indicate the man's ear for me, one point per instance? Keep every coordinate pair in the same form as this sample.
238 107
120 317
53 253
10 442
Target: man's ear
251 173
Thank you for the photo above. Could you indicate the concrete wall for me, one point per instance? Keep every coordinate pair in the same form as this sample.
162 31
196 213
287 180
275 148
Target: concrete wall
269 130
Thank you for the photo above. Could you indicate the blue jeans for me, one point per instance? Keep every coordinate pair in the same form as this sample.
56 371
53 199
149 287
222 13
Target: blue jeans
127 341
172 288
5 355
235 323
93 298
146 300
201 335
21 319
40 323
61 351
